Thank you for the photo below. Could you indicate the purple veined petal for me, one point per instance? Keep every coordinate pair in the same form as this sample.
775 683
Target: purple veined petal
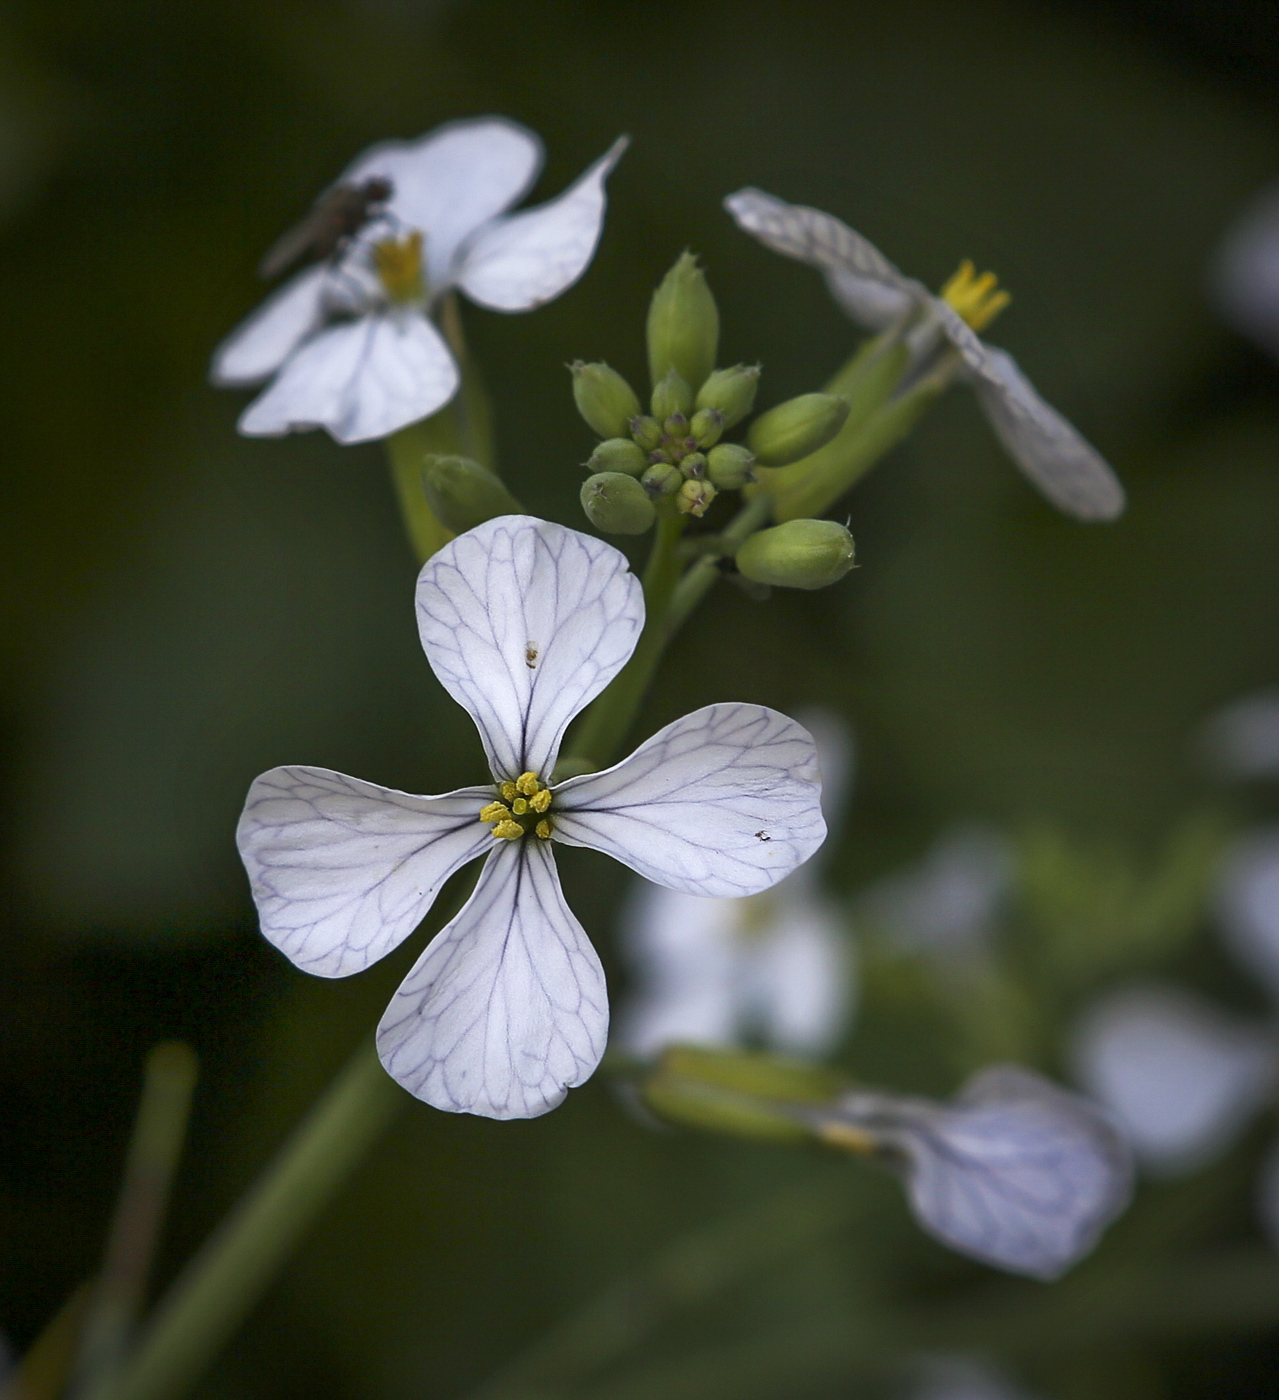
525 622
360 379
342 871
1179 1076
1242 739
507 1009
452 180
1245 276
262 342
1248 904
724 802
519 261
1015 1172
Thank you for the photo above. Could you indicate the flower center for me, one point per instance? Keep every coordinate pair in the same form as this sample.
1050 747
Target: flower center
398 263
977 299
522 808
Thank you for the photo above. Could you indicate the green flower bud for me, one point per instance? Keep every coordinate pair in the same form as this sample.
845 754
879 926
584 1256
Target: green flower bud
617 504
706 427
797 427
646 431
676 426
683 325
693 466
619 455
730 392
694 497
798 554
662 479
730 466
464 494
672 395
604 399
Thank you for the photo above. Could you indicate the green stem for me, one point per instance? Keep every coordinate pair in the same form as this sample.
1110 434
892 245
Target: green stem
697 582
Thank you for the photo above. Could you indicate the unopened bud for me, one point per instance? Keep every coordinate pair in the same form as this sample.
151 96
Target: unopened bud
694 497
617 504
683 324
675 426
671 395
797 427
706 427
730 392
618 455
693 466
662 479
798 554
604 398
464 494
646 431
730 466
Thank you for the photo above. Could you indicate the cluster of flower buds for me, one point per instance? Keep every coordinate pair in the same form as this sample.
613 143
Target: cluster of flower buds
671 459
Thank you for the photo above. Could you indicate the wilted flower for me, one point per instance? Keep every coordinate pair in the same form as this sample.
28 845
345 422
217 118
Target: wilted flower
1052 453
524 623
351 342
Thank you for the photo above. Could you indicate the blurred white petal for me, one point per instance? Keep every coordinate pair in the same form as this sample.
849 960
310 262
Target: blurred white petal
519 262
874 305
836 757
507 1009
360 379
450 181
1248 904
525 622
799 974
725 801
1242 739
262 342
1180 1076
961 1378
342 871
1245 277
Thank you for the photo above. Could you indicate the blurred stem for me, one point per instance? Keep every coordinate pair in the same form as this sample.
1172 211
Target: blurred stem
46 1365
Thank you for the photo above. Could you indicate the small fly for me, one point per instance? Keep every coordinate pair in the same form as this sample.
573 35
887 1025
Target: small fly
335 218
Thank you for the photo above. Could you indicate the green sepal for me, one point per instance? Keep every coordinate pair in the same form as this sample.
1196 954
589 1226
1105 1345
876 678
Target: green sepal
617 504
604 399
796 428
798 554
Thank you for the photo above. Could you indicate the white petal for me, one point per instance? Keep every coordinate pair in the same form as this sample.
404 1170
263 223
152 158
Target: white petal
342 871
525 622
360 379
875 305
450 181
1181 1077
262 342
725 801
506 1010
1017 1172
800 961
1248 904
519 262
1245 279
836 756
1242 740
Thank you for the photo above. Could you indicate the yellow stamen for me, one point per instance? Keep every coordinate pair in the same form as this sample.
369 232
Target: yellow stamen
519 807
977 299
508 831
527 784
398 262
509 792
495 812
543 828
845 1136
540 801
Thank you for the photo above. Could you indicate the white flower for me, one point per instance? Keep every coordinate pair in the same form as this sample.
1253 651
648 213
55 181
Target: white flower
1244 278
1066 468
1015 1171
1242 739
351 343
524 623
777 966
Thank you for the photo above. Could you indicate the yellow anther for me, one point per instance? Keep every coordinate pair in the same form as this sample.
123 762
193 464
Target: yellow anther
399 267
527 784
508 831
509 792
846 1136
495 812
519 807
543 828
977 299
540 801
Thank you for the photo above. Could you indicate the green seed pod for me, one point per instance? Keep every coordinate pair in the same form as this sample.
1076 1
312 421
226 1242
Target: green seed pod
672 395
617 504
693 466
797 427
646 431
464 494
662 479
683 325
730 466
694 497
706 427
798 554
604 399
730 392
619 455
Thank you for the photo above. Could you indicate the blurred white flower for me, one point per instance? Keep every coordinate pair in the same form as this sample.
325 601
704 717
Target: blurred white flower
1052 453
523 623
1248 904
1242 739
1244 277
351 342
776 968
961 1378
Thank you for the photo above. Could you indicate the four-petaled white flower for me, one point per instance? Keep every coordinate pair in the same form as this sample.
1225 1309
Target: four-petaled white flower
351 343
1066 468
524 623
